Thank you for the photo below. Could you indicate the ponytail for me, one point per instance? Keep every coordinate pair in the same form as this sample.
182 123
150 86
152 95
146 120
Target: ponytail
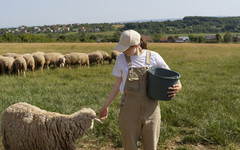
143 43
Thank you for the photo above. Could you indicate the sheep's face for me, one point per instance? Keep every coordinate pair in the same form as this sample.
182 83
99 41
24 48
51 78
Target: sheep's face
85 117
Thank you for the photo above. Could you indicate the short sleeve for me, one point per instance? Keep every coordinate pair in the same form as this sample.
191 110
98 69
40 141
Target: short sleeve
117 69
160 61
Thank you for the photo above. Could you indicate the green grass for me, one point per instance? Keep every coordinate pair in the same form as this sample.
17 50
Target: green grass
205 112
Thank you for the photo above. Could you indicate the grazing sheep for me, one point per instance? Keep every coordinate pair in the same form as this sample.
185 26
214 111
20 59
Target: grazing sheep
106 56
57 59
20 66
39 60
29 60
14 55
6 64
76 58
26 127
114 54
95 57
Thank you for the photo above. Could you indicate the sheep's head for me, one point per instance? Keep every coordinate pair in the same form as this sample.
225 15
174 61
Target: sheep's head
62 61
109 60
85 117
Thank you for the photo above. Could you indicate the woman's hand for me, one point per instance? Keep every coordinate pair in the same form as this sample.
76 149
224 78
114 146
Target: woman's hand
174 90
103 113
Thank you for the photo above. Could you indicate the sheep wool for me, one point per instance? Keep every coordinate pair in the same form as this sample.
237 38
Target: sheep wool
6 64
57 59
14 55
27 127
39 60
95 57
29 60
76 59
20 65
106 56
114 54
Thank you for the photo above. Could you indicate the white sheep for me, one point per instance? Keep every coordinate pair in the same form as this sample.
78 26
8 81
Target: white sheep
26 127
29 60
39 60
6 64
114 54
76 58
57 59
106 56
95 57
14 55
20 65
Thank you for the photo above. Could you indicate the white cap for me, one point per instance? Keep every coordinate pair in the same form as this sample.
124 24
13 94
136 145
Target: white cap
128 38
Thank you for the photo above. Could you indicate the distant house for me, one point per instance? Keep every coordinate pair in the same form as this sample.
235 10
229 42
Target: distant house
211 38
75 30
24 31
148 38
182 39
163 40
171 39
82 29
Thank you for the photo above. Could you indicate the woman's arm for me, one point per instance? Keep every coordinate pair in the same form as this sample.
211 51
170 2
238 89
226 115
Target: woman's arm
103 113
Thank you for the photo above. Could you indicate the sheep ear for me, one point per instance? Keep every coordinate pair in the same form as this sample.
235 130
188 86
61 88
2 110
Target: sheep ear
97 119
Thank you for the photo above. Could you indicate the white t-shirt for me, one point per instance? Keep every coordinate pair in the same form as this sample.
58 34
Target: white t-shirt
121 68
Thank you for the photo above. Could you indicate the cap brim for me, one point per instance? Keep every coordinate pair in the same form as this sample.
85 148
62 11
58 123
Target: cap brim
121 48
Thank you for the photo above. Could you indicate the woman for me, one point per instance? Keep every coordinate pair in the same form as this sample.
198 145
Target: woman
139 114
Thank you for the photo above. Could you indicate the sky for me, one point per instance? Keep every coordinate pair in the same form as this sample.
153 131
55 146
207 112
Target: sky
14 13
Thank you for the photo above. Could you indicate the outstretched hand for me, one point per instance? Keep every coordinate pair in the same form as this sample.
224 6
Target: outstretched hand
103 113
174 90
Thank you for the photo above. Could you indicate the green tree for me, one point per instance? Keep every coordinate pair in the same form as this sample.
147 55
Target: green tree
156 37
227 37
218 37
201 39
8 37
61 38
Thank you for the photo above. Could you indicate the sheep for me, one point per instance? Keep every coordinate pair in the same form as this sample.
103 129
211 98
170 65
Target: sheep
57 59
29 60
14 55
76 58
20 65
39 60
6 64
114 54
95 57
106 56
26 127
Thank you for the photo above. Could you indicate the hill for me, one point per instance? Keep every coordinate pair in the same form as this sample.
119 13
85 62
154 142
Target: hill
109 32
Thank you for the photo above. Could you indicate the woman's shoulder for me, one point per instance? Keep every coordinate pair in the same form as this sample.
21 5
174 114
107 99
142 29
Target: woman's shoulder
154 54
121 56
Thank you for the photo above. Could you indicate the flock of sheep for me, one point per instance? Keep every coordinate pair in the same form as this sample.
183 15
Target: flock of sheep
25 127
20 63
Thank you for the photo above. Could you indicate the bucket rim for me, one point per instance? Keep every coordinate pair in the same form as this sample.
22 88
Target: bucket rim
174 77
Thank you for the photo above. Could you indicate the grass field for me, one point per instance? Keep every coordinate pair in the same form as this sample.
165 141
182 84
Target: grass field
204 115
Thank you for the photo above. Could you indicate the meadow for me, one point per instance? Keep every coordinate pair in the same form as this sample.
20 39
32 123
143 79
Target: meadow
204 115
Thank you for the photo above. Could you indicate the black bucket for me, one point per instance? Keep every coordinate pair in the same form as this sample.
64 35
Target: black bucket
159 80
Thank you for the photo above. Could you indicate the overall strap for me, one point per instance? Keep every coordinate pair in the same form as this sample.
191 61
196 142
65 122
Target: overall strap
148 57
128 59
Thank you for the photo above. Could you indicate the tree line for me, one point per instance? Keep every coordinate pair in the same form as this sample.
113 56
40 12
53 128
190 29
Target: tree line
188 25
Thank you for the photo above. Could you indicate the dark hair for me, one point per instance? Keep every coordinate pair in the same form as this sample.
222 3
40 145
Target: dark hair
143 43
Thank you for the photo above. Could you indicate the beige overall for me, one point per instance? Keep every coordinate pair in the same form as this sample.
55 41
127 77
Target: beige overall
139 115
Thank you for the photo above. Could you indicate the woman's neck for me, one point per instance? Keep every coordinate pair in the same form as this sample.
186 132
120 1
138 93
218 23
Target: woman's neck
139 51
